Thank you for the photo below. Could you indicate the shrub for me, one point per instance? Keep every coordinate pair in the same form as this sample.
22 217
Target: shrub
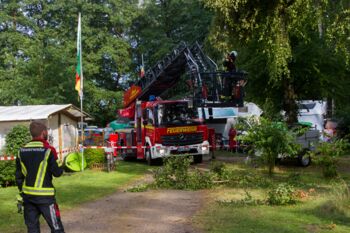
7 173
139 188
176 174
16 138
200 180
218 167
271 139
94 156
252 180
283 194
327 156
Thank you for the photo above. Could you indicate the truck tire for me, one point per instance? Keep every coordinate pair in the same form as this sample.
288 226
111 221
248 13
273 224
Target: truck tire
127 157
304 158
197 158
212 154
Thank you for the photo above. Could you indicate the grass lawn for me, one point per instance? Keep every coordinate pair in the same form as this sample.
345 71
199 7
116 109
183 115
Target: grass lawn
72 189
323 210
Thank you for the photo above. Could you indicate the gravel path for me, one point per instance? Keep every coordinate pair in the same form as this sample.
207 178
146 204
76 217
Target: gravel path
153 211
167 211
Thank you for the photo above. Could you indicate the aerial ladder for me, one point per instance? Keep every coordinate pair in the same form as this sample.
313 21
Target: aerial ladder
207 82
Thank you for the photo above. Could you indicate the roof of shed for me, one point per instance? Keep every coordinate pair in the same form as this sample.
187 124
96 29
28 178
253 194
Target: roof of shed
38 112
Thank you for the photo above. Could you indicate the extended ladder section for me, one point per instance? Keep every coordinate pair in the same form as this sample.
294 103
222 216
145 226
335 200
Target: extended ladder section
165 74
208 84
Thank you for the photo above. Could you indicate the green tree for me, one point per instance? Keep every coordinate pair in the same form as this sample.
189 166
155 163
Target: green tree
37 57
327 156
270 139
161 25
285 45
14 39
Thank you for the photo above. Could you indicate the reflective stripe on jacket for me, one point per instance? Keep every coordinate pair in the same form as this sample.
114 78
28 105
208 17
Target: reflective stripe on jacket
35 166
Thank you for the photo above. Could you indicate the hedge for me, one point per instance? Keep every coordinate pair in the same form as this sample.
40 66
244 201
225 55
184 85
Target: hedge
94 156
15 139
7 173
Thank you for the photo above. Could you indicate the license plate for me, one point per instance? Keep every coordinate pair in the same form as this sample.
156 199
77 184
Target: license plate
183 149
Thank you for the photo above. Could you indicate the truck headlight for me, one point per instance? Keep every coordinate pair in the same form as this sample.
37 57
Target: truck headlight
205 148
162 151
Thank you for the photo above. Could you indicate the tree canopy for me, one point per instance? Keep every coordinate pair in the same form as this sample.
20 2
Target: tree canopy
38 49
162 24
292 49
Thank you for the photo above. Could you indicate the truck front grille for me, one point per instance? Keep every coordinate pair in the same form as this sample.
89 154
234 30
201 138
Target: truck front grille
182 139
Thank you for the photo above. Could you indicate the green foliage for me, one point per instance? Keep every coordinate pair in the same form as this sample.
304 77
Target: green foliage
7 173
291 49
139 188
327 156
161 25
283 194
17 138
270 139
38 52
199 180
94 156
251 180
102 103
176 174
218 168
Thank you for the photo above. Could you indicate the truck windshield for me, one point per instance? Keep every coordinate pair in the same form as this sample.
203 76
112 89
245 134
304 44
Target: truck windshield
176 114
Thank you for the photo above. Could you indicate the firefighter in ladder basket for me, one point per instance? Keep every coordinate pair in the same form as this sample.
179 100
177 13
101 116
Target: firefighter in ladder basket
227 82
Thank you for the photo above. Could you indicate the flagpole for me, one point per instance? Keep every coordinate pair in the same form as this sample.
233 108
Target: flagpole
143 65
81 93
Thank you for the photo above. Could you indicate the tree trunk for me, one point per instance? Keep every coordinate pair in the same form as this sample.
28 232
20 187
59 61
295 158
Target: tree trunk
271 164
290 105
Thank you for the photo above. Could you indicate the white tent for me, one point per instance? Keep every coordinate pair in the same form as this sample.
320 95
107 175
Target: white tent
61 121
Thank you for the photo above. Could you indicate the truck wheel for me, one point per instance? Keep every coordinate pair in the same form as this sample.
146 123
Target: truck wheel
197 158
148 156
127 157
212 153
304 159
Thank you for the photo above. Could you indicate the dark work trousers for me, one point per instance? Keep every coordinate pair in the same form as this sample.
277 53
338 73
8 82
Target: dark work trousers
50 212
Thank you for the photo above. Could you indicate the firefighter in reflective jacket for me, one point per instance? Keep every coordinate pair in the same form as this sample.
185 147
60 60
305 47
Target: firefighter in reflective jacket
36 164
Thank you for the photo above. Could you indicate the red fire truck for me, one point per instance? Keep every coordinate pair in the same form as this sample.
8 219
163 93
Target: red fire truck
162 128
